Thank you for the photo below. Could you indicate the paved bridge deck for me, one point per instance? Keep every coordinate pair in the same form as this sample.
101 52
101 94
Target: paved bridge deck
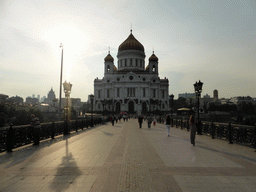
126 158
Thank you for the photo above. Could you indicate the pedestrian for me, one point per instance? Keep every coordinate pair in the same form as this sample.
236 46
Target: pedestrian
167 125
10 139
149 121
140 120
35 124
113 120
154 121
116 118
192 125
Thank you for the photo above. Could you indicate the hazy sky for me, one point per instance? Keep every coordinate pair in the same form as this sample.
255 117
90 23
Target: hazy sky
214 41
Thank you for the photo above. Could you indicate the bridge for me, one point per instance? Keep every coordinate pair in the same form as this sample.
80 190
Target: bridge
124 157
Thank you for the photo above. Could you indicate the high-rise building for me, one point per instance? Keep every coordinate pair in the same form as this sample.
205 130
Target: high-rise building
51 97
215 95
131 86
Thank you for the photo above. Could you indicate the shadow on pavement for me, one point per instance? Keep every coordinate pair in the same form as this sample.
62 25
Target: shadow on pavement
66 172
20 154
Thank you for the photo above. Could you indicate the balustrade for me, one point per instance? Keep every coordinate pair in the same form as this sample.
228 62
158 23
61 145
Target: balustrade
23 134
242 134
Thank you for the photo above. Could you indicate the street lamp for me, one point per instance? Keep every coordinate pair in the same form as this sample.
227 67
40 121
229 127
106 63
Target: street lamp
61 46
198 89
67 91
171 98
91 99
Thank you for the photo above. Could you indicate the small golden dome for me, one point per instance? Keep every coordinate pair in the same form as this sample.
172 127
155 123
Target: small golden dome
109 58
153 57
131 43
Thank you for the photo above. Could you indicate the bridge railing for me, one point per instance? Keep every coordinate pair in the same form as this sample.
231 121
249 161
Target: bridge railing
23 134
241 134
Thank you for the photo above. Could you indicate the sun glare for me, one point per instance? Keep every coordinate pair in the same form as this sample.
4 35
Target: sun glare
75 43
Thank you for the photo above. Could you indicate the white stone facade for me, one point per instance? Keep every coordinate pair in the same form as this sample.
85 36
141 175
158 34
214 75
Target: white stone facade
131 87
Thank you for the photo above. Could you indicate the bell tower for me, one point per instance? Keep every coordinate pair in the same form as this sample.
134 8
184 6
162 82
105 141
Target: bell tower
153 64
109 64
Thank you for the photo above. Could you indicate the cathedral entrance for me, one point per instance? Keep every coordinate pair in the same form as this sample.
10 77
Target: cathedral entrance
118 107
131 107
144 107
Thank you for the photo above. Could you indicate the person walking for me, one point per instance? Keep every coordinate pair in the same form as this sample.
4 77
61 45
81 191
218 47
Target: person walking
154 121
113 120
116 117
168 125
140 120
192 125
149 121
35 124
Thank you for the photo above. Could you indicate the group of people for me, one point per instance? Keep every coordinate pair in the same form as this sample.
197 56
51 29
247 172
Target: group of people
169 124
149 119
115 118
192 126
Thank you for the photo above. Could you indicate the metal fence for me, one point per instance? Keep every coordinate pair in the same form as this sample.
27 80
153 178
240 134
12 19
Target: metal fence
242 134
23 134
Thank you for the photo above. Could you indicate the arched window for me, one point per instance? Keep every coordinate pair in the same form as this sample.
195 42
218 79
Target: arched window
108 68
125 63
154 68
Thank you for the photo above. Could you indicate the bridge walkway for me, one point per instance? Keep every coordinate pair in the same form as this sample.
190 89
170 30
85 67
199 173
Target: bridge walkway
124 157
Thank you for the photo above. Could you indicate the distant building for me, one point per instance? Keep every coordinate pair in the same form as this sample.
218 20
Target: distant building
15 99
187 95
224 101
31 100
215 95
3 98
43 98
51 97
239 100
76 104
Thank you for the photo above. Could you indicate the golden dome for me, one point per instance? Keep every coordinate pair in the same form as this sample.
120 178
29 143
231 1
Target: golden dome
153 57
109 58
131 44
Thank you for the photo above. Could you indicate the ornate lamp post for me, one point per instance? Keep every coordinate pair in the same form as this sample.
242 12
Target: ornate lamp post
198 89
171 98
91 99
59 111
67 91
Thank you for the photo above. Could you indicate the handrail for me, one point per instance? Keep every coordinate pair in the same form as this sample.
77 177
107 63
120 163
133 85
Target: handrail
242 134
24 134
